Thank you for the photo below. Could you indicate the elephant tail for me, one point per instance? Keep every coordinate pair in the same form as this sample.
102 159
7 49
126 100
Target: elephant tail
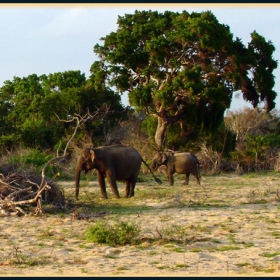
198 170
156 179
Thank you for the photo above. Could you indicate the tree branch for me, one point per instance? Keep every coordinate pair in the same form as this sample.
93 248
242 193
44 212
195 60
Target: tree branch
8 202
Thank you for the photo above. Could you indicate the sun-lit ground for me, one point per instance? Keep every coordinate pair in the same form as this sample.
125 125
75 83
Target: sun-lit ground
227 226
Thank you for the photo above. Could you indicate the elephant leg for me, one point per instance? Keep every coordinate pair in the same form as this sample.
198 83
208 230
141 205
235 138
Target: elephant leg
101 181
127 188
130 186
170 179
113 184
187 179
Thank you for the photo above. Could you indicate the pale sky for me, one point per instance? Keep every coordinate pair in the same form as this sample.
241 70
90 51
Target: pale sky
48 38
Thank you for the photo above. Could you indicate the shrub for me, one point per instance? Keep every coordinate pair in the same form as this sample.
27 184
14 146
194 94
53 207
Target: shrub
32 160
118 233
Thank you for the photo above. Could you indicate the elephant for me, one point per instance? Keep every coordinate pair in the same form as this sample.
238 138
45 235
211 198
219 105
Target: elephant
179 162
115 162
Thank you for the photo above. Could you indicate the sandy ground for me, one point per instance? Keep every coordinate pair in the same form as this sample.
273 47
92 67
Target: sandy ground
239 239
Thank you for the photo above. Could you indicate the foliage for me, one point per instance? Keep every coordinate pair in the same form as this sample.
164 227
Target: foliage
119 233
183 68
252 121
31 109
179 70
32 160
34 157
257 141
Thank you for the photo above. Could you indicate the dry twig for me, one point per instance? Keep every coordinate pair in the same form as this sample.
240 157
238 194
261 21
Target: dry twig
18 190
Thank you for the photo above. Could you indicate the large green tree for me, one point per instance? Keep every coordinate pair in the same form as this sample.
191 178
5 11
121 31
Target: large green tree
32 108
183 68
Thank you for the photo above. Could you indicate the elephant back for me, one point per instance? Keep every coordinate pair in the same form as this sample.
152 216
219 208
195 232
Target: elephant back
185 161
124 160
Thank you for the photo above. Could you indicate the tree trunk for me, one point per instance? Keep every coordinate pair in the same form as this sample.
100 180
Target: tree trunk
160 132
164 120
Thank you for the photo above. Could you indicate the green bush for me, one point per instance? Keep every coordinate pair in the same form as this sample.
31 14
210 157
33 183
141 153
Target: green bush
119 233
31 156
34 160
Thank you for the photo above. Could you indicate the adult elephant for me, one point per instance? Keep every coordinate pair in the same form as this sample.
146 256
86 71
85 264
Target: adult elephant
116 162
179 162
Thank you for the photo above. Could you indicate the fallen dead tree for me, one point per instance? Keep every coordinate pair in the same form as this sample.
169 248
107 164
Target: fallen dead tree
18 190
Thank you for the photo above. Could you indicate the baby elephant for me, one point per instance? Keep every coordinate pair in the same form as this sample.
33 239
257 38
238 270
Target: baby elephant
179 162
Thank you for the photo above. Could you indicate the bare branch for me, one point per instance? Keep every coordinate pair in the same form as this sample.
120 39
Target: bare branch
8 201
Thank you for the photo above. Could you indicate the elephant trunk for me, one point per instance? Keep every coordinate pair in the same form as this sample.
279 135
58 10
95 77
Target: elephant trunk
77 180
154 166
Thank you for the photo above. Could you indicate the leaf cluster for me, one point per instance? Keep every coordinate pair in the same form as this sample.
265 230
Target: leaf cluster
119 233
31 109
184 67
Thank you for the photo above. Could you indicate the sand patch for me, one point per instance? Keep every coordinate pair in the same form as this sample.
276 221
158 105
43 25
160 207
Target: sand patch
235 239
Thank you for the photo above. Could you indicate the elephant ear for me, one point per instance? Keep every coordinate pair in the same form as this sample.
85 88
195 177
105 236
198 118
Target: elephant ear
92 155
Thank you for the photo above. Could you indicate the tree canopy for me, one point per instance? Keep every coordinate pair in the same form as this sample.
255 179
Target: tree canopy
31 109
183 68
